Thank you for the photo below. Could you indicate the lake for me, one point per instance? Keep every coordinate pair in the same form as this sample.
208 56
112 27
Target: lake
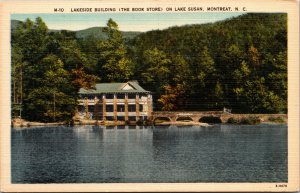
150 154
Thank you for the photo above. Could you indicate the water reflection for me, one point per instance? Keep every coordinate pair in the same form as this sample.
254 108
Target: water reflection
94 154
42 152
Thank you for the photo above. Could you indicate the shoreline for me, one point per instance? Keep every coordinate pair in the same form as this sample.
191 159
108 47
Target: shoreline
26 124
169 118
23 123
183 123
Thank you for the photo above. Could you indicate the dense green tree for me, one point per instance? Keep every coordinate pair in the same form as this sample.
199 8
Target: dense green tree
89 46
177 91
55 98
28 40
65 46
223 56
156 73
239 63
172 98
16 81
261 100
218 96
157 67
115 65
48 69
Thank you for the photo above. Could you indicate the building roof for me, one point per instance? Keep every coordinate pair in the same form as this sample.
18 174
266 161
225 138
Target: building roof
128 87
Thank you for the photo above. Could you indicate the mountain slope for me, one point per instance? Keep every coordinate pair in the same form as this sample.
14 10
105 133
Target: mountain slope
93 31
256 28
97 32
15 24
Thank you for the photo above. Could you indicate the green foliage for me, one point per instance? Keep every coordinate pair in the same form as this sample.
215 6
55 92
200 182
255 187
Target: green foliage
115 65
157 67
54 99
16 81
181 71
232 120
172 98
239 63
252 120
43 62
203 67
277 119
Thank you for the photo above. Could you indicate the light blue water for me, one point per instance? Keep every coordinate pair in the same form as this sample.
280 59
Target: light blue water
95 154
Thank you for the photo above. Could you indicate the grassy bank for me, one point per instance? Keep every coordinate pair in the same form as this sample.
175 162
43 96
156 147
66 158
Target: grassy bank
253 120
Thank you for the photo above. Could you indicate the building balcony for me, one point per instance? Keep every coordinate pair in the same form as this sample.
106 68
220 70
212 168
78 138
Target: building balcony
111 101
122 114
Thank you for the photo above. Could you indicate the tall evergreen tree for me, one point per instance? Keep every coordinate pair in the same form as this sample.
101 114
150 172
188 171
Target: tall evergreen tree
48 70
115 65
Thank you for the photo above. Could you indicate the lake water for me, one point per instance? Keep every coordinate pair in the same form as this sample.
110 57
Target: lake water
96 154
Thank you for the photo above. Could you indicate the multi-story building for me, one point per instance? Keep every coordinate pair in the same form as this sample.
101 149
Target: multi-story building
115 101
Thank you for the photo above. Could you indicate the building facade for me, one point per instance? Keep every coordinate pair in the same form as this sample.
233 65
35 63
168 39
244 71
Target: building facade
115 101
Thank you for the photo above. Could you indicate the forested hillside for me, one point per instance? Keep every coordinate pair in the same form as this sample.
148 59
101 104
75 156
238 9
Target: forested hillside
240 63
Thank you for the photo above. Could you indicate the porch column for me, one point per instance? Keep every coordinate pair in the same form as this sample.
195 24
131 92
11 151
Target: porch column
149 102
126 107
115 107
96 106
104 107
86 107
137 107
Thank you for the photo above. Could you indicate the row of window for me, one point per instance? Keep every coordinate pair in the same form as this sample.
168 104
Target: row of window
110 108
111 96
122 118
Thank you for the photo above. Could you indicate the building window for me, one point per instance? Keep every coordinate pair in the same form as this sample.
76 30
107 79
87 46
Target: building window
109 96
143 118
131 118
109 118
100 107
120 118
131 96
109 108
121 108
131 108
121 96
91 108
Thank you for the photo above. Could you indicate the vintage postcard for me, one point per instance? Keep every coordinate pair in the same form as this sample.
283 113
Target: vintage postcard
139 96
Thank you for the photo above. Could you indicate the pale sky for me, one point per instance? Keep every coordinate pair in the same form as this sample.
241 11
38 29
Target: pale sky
126 21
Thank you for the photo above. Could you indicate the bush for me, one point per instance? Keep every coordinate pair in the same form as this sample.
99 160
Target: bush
232 120
250 120
276 119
